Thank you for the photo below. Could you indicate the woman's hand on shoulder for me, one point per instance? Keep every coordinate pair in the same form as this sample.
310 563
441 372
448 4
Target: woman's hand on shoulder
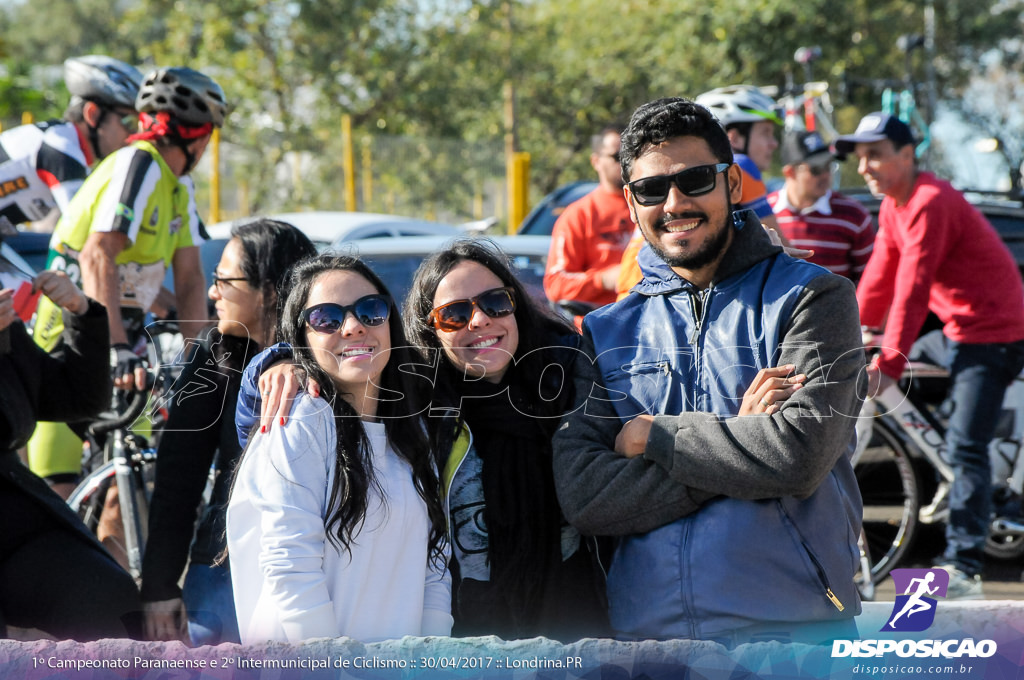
279 387
778 239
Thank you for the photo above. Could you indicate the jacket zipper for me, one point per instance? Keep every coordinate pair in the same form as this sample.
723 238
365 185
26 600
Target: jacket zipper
698 306
824 579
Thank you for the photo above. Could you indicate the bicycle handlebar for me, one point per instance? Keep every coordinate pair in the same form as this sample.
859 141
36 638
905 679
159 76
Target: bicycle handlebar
136 405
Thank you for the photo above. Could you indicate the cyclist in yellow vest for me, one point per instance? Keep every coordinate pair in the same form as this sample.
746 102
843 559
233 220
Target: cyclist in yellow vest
134 216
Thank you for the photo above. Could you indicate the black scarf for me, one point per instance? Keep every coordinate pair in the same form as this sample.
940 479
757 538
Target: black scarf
522 512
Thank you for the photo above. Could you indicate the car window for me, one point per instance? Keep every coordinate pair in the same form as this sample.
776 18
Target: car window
530 271
33 247
396 272
541 220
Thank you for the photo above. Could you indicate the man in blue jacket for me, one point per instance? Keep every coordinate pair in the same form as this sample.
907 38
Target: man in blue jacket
730 527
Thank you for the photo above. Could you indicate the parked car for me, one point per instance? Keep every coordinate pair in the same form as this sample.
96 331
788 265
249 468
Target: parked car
22 265
541 220
325 229
32 246
396 260
328 227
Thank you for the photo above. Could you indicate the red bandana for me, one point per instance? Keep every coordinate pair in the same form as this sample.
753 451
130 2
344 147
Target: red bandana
162 125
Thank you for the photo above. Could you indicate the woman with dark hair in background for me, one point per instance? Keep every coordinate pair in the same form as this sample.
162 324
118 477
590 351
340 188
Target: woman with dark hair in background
335 523
248 289
505 368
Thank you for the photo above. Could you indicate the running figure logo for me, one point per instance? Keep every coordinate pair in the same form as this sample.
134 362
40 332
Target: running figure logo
914 610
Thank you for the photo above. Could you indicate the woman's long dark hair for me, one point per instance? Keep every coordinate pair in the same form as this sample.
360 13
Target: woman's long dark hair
402 407
538 328
512 433
270 249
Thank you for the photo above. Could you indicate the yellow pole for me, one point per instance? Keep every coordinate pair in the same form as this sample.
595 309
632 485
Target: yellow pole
349 161
520 190
27 118
367 177
215 176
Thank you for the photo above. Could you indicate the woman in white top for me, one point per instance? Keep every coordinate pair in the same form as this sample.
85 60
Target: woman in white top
335 525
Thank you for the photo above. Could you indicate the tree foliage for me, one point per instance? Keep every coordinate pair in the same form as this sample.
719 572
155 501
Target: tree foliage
443 70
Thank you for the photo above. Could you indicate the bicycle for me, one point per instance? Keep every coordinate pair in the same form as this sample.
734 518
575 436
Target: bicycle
115 454
807 106
904 474
124 458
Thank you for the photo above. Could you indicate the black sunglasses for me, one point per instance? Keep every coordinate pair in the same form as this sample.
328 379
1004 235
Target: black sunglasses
695 181
218 280
328 317
454 315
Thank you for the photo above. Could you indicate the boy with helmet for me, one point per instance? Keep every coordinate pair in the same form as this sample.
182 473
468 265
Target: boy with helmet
133 217
749 118
42 165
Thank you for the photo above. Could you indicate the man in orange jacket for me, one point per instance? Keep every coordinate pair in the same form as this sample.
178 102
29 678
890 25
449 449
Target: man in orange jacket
590 236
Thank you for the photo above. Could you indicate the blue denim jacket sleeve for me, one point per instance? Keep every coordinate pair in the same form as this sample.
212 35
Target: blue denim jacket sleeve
247 410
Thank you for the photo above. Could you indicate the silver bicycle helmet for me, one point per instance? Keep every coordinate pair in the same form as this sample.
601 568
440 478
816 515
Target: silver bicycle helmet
188 95
103 80
739 104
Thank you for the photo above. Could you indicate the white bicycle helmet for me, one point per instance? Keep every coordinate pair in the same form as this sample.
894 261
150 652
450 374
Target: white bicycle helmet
188 95
739 104
103 80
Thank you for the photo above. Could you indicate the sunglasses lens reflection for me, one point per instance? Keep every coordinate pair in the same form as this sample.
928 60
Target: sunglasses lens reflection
328 318
692 182
496 304
456 315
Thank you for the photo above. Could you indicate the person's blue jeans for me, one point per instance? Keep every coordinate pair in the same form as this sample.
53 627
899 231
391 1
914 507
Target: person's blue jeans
211 605
980 374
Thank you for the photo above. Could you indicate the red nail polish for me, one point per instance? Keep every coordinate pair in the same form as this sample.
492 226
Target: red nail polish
263 428
282 420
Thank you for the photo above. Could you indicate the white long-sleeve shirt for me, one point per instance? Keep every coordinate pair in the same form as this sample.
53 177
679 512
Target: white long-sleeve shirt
290 583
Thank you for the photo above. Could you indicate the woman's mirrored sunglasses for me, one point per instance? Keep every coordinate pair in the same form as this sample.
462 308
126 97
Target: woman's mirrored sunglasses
328 317
695 181
454 315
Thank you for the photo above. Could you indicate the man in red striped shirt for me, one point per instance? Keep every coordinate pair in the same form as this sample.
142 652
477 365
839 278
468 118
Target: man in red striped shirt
935 251
812 216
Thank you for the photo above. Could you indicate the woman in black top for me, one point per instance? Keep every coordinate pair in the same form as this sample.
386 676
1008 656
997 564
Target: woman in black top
247 289
520 570
54 575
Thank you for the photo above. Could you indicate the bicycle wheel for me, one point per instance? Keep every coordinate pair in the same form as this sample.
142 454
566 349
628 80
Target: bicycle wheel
864 578
89 498
1008 547
889 488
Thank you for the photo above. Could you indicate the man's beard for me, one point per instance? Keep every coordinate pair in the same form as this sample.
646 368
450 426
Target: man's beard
696 258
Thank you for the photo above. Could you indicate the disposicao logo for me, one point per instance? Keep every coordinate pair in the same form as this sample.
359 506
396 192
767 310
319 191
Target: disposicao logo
912 612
